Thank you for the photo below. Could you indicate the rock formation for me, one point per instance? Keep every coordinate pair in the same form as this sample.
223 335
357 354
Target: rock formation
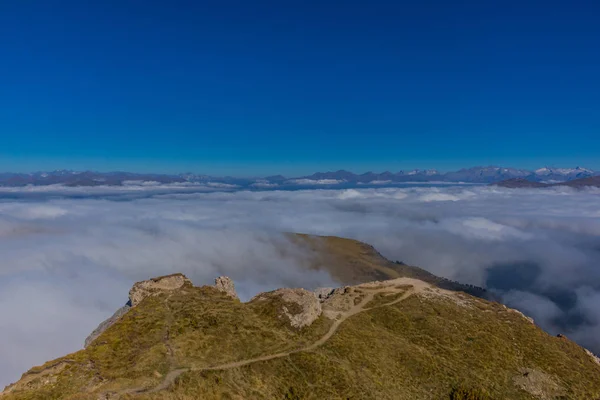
300 306
153 286
225 284
139 292
594 357
323 293
520 313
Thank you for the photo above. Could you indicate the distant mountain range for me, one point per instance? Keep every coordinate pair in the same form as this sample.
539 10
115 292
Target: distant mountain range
480 175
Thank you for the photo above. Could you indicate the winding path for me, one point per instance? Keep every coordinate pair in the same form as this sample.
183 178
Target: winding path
170 378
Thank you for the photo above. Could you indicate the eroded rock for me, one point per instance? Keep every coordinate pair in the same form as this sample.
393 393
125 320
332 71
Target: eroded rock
520 313
340 300
595 358
300 307
154 286
323 293
139 292
225 284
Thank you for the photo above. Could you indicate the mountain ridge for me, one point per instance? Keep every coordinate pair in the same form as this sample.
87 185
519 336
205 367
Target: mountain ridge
482 175
398 338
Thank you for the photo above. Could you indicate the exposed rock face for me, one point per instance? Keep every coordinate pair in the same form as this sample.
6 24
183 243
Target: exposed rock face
225 284
106 324
594 357
339 300
153 286
139 292
323 293
300 307
520 313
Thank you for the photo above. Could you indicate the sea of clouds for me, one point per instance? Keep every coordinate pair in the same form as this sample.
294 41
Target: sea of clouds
70 255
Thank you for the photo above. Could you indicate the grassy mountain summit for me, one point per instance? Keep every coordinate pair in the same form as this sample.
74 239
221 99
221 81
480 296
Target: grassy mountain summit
404 337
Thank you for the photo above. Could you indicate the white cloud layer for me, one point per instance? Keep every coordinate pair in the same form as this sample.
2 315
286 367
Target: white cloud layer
68 263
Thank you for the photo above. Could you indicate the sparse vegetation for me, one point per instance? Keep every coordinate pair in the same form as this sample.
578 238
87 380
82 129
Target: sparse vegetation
464 393
384 298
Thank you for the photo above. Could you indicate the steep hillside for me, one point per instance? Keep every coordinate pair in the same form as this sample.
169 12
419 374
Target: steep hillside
397 339
352 262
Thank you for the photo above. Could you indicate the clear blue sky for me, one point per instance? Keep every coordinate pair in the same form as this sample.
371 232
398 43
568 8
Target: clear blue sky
258 87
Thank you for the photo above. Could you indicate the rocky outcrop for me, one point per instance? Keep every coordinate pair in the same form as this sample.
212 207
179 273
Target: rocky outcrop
595 358
139 292
225 284
154 286
340 300
299 306
323 293
520 313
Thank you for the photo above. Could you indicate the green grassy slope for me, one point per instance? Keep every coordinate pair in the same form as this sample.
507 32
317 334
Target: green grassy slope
191 328
417 349
420 348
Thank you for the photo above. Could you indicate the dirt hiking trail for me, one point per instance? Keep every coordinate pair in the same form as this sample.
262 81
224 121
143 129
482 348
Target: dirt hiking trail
365 292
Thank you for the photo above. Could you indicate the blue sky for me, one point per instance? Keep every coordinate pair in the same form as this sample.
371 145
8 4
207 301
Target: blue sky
240 87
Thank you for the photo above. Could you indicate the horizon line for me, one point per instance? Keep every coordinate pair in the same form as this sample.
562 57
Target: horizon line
324 171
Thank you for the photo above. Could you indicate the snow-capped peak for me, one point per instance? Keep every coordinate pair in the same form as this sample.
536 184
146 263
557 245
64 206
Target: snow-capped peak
543 171
562 171
427 172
